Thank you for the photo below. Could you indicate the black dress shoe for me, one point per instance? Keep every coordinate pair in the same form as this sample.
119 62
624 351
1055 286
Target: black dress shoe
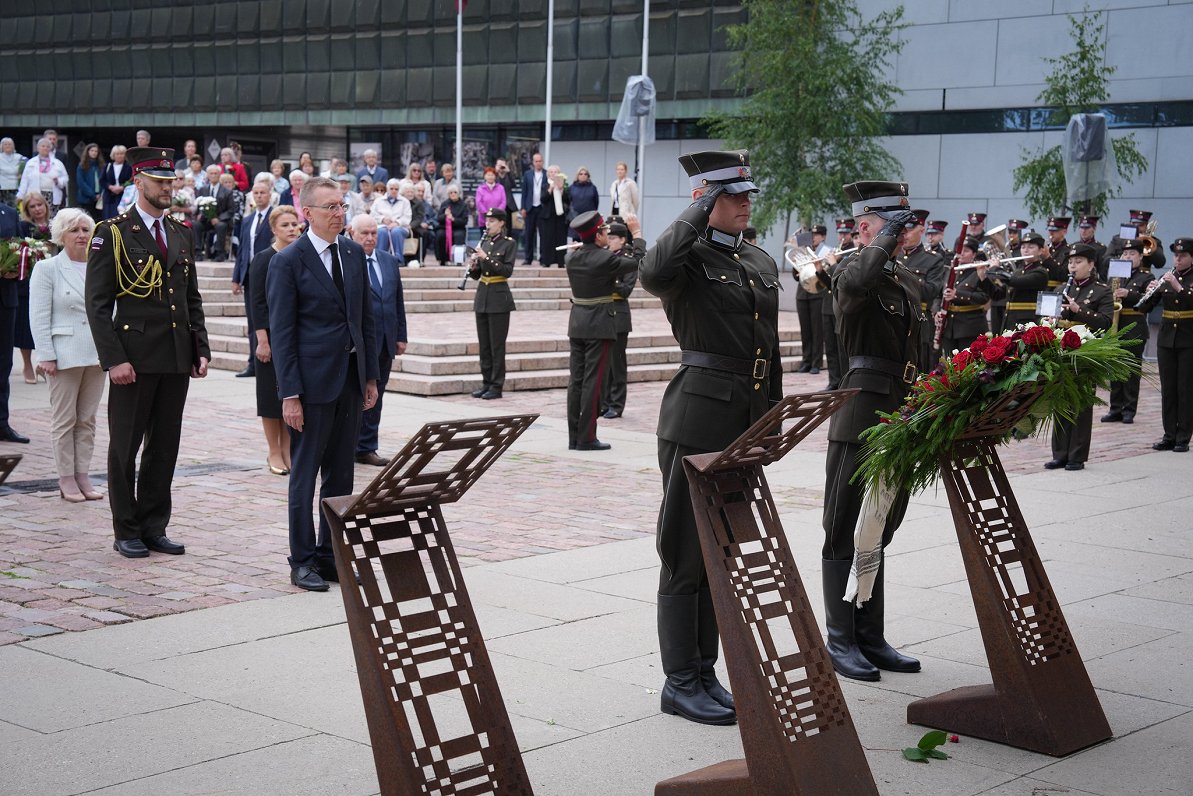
611 414
308 578
131 548
1074 466
480 392
8 435
331 575
814 371
1112 417
372 458
1128 418
1181 448
490 394
1055 464
594 445
162 544
804 368
571 444
1164 445
247 373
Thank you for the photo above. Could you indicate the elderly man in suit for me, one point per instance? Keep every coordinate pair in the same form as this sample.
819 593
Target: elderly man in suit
325 356
9 227
372 169
534 180
254 235
389 321
225 211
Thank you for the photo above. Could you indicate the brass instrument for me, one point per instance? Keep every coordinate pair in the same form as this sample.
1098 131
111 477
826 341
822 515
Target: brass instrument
995 244
803 262
1150 244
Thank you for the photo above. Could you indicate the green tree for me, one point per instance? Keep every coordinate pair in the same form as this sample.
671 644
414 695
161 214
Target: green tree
816 78
1077 84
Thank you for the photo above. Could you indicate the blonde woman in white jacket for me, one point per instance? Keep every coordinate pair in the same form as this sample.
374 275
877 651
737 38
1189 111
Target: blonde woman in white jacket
624 193
58 318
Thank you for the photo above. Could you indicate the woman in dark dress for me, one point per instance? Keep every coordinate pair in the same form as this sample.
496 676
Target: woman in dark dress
286 228
553 217
35 223
458 210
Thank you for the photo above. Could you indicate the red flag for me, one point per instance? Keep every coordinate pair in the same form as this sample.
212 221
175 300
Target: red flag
460 3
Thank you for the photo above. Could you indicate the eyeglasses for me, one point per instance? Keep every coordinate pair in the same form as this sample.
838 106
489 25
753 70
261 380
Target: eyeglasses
332 208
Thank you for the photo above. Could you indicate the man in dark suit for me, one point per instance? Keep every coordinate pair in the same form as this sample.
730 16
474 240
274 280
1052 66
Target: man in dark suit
593 273
534 180
225 211
389 321
9 228
372 169
254 235
324 352
146 315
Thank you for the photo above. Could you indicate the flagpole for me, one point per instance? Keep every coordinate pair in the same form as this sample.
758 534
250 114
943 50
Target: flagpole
460 86
550 88
642 121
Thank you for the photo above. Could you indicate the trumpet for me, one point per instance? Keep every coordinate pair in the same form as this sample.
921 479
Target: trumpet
803 262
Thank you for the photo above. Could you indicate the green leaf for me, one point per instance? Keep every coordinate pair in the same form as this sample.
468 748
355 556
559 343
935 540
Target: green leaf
936 754
915 755
932 740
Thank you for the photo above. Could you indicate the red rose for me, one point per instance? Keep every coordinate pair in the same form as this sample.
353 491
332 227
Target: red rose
1001 343
1070 341
994 354
979 344
962 359
1037 338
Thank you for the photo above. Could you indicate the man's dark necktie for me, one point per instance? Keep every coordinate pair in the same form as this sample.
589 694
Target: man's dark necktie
161 239
373 279
337 273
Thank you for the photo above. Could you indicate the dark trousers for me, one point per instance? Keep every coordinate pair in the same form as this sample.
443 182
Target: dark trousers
677 541
832 350
811 330
588 362
370 419
1124 395
203 225
8 325
149 412
998 315
531 231
843 503
1070 441
613 388
323 448
1176 379
491 330
248 312
553 231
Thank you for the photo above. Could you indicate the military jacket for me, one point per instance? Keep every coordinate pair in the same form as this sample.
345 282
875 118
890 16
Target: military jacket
1176 321
1096 303
1058 264
1024 285
1135 286
594 274
625 286
1156 259
826 286
721 299
967 312
933 273
878 315
495 296
142 308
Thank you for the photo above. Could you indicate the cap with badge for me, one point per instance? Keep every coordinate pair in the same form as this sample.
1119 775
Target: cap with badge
497 213
884 199
155 162
976 219
587 225
729 169
619 230
1181 246
921 216
1083 250
1135 244
1031 236
1057 223
972 243
844 225
1087 222
1017 225
1140 216
937 226
819 229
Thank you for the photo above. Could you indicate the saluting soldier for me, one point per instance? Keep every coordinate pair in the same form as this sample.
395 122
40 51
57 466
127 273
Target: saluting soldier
1174 348
968 298
934 235
1058 250
1124 395
880 322
1026 281
492 265
833 355
721 296
613 389
933 273
593 274
1087 232
146 316
1088 302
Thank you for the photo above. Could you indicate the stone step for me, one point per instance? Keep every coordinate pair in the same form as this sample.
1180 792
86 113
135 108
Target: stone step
464 304
226 309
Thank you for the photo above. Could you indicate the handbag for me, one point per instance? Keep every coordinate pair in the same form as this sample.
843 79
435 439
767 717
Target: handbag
411 245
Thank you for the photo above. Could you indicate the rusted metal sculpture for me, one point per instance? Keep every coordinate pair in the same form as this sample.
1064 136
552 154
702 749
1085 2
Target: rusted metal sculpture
7 465
1041 698
795 727
436 718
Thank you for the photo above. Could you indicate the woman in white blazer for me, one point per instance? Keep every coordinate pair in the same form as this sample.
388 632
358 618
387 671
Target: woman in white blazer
58 318
624 193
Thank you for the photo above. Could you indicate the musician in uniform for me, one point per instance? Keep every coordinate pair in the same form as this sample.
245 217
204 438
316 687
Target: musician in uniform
1141 220
593 274
1174 347
933 273
1087 233
613 388
808 307
1058 249
492 265
934 235
1015 229
1025 282
721 296
975 227
1124 395
834 359
146 315
879 319
967 299
1088 302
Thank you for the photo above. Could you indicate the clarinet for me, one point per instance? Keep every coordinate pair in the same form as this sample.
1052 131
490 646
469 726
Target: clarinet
1160 285
479 252
942 314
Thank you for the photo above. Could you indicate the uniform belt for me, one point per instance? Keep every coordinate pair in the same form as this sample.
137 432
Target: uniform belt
907 371
754 368
1054 283
1021 306
1126 311
972 307
592 302
1177 315
493 280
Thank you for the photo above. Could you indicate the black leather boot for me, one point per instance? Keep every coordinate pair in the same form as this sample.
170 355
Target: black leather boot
709 649
871 639
683 694
839 620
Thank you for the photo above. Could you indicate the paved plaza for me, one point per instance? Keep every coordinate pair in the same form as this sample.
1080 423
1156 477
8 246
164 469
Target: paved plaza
210 674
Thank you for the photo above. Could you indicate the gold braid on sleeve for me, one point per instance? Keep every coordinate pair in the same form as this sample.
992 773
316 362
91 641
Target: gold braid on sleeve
130 281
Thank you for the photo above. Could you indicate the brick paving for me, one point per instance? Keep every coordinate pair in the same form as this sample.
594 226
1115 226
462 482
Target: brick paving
58 572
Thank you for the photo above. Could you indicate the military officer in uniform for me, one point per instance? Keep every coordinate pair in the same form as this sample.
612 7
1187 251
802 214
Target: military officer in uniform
593 275
721 296
613 388
933 273
1140 219
1124 395
975 227
492 265
934 237
1174 347
1058 250
146 315
1027 279
968 297
833 357
1015 229
808 307
879 319
1087 231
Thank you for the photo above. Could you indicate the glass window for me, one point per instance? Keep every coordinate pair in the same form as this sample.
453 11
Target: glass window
368 16
721 20
204 93
721 75
566 34
120 25
294 93
625 36
393 51
343 89
590 8
317 53
293 16
419 47
563 87
418 86
421 12
271 16
368 51
476 85
392 93
318 15
693 34
182 90
594 38
393 12
503 44
140 95
476 45
503 84
592 79
691 76
366 88
343 53
662 72
532 41
532 83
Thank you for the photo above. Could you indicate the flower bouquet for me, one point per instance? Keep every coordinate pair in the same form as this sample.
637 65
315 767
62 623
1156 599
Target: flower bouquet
180 206
18 255
207 206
